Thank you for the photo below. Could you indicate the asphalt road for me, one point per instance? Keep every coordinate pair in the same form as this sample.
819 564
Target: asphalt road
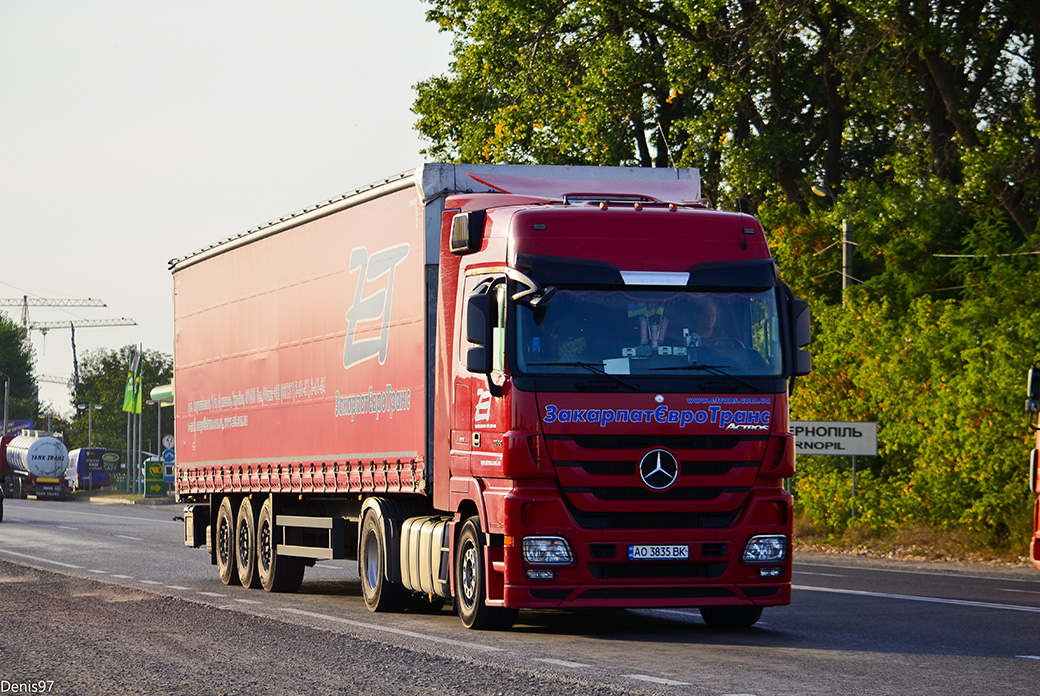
74 576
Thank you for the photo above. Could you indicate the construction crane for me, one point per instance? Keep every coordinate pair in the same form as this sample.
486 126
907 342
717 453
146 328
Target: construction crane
45 326
26 302
51 379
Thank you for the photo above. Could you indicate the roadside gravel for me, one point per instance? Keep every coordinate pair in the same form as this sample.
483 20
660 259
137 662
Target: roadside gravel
65 635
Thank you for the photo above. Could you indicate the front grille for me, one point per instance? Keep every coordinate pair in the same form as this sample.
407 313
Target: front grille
655 571
601 482
674 493
631 467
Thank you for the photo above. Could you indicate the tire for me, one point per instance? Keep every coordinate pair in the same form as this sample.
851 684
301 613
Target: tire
245 545
380 594
471 583
731 617
1 506
276 573
224 543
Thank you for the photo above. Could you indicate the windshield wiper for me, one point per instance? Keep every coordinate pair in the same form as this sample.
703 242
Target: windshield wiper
591 367
713 369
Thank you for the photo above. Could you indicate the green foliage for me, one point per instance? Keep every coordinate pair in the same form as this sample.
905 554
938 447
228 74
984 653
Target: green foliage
922 123
944 380
103 375
17 361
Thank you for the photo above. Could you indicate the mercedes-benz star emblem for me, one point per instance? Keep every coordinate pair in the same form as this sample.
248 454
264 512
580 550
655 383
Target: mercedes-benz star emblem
659 469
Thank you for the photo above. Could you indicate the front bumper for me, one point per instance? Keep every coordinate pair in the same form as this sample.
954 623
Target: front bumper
601 574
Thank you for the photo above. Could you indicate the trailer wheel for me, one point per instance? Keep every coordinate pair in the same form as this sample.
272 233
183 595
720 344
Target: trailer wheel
471 583
380 594
731 617
224 543
245 545
276 573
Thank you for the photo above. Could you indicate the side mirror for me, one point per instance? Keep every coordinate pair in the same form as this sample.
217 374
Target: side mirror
1033 389
802 323
478 329
801 329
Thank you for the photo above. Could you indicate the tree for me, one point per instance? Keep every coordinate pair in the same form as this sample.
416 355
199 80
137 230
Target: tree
103 375
921 121
18 362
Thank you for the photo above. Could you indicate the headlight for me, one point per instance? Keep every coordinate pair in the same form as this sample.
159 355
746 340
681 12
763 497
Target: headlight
546 551
765 548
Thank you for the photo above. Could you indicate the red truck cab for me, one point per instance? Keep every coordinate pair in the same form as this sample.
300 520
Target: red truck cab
615 374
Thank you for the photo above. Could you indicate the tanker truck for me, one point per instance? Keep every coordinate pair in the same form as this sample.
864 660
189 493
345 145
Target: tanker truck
505 387
32 465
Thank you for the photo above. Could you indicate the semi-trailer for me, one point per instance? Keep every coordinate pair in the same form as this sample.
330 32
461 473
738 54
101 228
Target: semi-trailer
32 465
503 386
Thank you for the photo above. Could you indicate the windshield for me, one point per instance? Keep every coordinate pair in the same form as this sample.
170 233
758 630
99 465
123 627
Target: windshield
650 332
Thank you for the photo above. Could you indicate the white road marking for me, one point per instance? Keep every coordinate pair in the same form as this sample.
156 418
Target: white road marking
212 594
1029 657
176 587
822 575
98 572
124 577
39 560
915 598
395 631
561 663
151 582
123 536
78 514
910 571
61 526
249 601
656 680
1008 589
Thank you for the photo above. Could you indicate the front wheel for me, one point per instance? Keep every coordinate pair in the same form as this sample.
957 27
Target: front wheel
471 583
731 617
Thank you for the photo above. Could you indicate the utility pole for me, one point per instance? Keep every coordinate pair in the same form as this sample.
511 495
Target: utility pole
846 243
846 258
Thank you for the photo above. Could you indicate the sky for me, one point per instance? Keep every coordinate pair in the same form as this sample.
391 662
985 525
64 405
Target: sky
135 132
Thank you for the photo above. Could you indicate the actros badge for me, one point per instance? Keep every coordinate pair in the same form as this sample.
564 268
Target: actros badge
659 469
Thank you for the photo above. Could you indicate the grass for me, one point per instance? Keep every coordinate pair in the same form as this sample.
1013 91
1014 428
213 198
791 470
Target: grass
914 542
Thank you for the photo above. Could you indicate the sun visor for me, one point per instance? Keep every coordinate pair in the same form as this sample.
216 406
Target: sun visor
560 270
759 273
